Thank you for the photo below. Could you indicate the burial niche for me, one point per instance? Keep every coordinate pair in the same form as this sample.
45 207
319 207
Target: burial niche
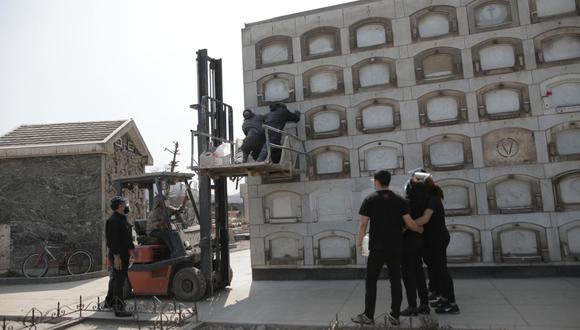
503 101
464 245
277 87
438 64
549 9
326 121
320 42
447 152
564 141
323 81
570 240
378 115
445 107
334 247
381 155
331 205
567 190
514 193
508 146
495 56
284 248
562 93
557 47
433 22
520 243
370 33
274 51
374 72
486 15
459 197
282 207
329 162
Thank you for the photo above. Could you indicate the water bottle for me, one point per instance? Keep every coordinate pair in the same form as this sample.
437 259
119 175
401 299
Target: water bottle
365 246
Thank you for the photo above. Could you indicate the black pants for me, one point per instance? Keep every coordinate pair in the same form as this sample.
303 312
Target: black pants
436 253
252 145
412 270
115 297
375 262
276 153
432 286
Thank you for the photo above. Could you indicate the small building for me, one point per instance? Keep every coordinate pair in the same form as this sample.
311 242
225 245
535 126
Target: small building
55 182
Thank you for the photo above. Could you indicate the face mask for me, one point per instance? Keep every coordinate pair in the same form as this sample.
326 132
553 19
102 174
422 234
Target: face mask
126 210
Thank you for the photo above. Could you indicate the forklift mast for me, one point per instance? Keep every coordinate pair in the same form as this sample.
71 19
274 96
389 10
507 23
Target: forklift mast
214 126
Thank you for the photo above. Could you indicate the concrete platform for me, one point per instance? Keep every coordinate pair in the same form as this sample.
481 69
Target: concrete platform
527 303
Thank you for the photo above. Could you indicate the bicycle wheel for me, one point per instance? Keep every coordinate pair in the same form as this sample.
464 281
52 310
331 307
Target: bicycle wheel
35 265
79 262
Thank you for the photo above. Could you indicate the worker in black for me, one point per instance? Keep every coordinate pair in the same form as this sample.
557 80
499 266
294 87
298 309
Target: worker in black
387 213
255 138
277 118
120 254
412 263
436 238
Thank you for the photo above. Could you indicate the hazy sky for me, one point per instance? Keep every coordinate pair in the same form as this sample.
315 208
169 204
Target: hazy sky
80 60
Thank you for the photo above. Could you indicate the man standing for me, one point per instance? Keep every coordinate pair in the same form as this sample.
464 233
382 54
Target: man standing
120 245
277 118
255 138
388 214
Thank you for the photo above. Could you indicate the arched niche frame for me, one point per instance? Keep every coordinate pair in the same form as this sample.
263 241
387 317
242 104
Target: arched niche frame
334 247
282 207
274 50
459 198
564 141
370 33
465 244
374 72
326 121
520 242
496 56
542 10
514 193
487 15
447 152
331 205
443 107
378 115
561 93
558 47
570 240
276 87
503 100
326 80
434 22
320 42
329 162
438 64
284 248
567 190
379 155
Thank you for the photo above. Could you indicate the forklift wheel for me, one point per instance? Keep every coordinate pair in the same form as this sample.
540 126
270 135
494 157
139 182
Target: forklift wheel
188 284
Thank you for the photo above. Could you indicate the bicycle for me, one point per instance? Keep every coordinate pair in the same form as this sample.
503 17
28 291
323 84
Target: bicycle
76 262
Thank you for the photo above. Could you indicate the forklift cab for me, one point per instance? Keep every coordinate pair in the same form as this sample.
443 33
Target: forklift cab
163 263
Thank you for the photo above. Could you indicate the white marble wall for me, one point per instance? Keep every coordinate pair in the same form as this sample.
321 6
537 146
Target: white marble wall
500 173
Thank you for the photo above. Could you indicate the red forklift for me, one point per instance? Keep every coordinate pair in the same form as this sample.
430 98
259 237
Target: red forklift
166 263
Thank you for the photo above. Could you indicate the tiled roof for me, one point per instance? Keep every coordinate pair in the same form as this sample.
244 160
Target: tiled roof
64 133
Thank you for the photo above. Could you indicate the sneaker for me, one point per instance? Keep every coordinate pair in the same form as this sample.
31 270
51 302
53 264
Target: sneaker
362 319
392 319
424 309
439 303
448 308
433 296
410 311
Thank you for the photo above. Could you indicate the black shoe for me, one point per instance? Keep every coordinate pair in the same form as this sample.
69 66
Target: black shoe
410 311
362 319
122 313
448 308
439 303
424 309
392 319
433 296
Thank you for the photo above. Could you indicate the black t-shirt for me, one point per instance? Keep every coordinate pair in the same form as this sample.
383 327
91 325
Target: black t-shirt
385 210
435 229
